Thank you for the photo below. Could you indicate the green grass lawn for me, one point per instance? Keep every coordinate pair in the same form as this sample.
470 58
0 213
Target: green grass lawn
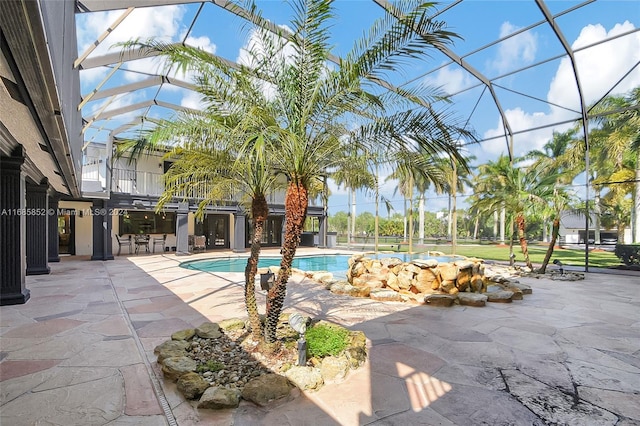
568 257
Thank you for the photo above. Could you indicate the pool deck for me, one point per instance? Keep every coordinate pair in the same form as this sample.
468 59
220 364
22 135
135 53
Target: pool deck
80 351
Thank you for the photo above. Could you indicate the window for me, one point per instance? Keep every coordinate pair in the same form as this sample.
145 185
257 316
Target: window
147 223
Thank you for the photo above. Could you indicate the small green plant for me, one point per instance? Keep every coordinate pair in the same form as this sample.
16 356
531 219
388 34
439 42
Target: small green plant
324 339
210 365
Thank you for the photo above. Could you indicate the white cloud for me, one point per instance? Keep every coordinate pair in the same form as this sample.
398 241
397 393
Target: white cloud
515 51
451 79
192 100
599 68
161 23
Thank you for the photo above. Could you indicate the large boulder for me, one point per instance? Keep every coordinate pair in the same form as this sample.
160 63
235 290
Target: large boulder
217 398
305 378
209 330
170 349
428 279
175 367
266 389
334 368
385 295
439 300
367 280
472 299
192 385
183 334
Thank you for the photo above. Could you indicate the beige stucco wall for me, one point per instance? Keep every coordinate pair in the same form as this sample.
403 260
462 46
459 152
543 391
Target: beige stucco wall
83 226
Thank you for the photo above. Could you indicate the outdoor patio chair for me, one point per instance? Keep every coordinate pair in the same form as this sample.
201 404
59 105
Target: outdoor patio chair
159 241
142 241
124 242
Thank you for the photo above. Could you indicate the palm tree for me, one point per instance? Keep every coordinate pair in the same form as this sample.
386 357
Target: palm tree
489 179
619 137
206 165
311 107
552 157
520 191
353 172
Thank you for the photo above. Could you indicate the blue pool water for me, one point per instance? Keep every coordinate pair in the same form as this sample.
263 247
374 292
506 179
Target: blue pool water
335 263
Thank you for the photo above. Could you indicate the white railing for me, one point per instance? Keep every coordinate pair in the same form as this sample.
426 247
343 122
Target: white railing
151 184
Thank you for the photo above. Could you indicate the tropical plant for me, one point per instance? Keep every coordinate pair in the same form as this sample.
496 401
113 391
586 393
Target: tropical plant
312 107
521 191
206 165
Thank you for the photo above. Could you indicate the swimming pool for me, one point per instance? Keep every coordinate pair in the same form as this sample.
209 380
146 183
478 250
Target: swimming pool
335 263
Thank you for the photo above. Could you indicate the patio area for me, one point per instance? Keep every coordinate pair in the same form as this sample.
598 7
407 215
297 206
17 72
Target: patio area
80 351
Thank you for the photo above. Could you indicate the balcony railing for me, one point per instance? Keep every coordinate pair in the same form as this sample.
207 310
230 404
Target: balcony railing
151 184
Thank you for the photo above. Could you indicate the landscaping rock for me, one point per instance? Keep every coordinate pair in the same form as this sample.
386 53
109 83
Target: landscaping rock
367 280
183 334
170 349
524 288
217 398
502 296
472 299
334 368
232 324
439 300
425 263
305 378
266 388
385 295
209 330
175 367
192 385
342 287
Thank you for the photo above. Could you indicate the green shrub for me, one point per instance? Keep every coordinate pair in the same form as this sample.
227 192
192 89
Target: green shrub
629 254
324 339
210 365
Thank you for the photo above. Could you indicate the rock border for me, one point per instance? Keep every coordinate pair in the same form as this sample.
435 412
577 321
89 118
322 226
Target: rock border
173 356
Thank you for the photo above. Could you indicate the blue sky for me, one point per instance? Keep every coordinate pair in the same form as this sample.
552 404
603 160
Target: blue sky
531 97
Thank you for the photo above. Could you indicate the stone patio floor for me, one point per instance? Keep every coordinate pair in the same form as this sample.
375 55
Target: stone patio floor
80 351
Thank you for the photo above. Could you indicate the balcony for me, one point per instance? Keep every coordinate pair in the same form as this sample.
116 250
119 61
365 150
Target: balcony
126 181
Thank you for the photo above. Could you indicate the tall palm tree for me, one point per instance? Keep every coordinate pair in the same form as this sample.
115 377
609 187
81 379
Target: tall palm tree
310 106
353 172
206 165
552 157
489 179
520 191
619 136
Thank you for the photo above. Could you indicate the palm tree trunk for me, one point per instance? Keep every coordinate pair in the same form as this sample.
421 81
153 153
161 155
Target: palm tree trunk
421 219
503 220
353 215
296 203
523 241
476 226
259 213
555 231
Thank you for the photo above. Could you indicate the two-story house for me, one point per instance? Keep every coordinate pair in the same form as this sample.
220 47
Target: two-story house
131 189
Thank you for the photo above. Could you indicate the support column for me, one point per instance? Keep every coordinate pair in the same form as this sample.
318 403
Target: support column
322 232
239 231
52 217
101 231
13 263
37 232
182 230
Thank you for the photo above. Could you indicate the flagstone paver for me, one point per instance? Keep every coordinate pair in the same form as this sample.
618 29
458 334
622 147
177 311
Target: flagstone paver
82 348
